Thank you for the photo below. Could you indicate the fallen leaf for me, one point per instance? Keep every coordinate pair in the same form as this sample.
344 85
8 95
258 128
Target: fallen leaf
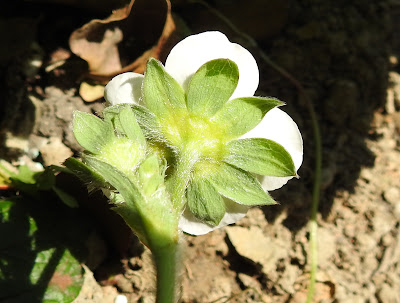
126 39
91 92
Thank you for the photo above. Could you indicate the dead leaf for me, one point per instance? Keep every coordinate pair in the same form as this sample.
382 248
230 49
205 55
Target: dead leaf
126 39
91 92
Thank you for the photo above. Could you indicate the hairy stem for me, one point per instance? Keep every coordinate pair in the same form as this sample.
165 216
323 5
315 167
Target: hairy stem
167 263
180 178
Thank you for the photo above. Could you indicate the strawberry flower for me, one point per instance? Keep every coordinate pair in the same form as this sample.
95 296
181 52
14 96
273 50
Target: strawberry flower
229 147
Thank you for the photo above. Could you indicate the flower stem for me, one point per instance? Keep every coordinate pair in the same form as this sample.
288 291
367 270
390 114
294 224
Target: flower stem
166 261
166 258
180 178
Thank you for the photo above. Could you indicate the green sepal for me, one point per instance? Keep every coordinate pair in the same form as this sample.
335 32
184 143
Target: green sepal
212 86
131 126
150 217
239 186
131 194
260 156
146 119
205 203
161 93
132 220
91 132
149 175
238 116
111 115
87 175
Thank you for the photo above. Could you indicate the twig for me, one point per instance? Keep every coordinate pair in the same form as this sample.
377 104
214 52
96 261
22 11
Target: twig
317 146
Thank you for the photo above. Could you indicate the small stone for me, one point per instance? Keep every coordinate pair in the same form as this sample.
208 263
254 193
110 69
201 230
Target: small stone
221 288
288 280
248 282
124 284
326 246
254 245
390 102
366 174
121 299
388 294
393 60
366 241
354 299
394 82
387 240
15 142
222 248
396 211
392 195
55 152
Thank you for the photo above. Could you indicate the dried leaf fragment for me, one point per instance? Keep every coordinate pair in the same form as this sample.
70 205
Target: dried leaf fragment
126 39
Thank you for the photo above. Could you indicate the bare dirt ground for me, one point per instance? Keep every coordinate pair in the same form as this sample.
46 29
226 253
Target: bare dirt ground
344 53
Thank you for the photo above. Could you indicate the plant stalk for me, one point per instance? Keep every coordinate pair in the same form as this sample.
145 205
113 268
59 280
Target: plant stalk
317 148
166 261
180 178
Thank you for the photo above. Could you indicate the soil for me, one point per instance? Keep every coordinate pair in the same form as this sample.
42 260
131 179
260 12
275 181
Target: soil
345 55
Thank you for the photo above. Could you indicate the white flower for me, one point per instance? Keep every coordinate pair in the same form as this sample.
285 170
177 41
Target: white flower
183 61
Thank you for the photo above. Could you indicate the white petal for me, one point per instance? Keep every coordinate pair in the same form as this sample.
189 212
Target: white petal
124 88
191 225
192 52
279 127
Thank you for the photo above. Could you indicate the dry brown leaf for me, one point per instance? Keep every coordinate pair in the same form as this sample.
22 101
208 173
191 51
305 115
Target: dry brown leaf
91 92
126 39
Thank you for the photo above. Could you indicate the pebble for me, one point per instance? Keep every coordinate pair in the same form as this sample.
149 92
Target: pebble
387 294
55 152
254 245
392 195
121 299
326 246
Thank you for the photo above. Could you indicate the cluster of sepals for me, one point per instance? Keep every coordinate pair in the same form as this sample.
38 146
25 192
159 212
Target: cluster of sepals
181 151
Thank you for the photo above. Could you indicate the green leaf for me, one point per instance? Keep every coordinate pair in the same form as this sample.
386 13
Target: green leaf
91 132
67 279
131 127
238 116
239 186
260 156
161 93
31 182
40 260
90 177
205 202
212 86
25 175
